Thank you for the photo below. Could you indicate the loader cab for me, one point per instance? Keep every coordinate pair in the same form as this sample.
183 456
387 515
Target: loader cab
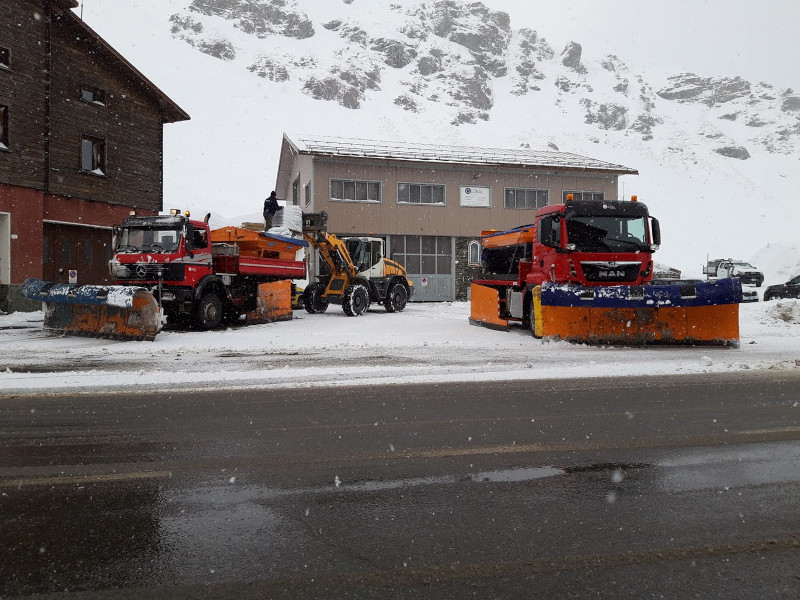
367 255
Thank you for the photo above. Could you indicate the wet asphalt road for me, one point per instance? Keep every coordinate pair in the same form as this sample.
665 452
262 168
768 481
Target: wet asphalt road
641 488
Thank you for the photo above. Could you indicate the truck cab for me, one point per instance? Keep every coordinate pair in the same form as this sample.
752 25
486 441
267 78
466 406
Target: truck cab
594 243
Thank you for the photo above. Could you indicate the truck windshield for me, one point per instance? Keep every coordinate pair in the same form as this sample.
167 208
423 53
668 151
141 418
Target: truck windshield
610 234
149 239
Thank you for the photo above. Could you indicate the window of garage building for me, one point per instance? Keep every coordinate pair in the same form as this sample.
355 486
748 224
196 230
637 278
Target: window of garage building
526 198
420 193
351 190
577 195
429 262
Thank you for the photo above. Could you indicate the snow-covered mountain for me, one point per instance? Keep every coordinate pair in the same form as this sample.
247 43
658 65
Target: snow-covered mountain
717 154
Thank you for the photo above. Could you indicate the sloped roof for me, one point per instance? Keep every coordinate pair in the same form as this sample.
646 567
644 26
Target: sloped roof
171 112
318 145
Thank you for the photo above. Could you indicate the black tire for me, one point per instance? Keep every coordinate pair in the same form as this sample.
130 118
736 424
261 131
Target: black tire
396 298
355 300
208 312
532 317
313 300
769 297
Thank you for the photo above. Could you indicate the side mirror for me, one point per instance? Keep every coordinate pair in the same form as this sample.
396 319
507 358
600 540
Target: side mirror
548 232
656 229
188 237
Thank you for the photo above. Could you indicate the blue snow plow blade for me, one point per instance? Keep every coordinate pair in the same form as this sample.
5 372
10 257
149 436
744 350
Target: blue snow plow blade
687 313
706 293
114 312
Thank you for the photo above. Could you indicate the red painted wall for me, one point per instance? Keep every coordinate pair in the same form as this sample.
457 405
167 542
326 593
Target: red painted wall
29 208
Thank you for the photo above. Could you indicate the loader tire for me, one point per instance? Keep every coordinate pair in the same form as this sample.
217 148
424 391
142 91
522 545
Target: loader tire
355 300
208 312
313 299
396 298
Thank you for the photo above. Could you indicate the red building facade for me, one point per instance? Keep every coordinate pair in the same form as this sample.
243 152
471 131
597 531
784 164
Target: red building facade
81 140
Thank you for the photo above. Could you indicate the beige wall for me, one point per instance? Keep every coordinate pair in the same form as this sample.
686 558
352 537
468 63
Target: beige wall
389 217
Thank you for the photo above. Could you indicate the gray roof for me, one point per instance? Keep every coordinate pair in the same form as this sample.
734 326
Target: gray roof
319 145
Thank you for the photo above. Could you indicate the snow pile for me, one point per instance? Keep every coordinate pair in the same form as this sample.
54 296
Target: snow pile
787 311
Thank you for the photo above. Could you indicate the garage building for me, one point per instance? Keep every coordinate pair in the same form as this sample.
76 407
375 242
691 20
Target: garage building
430 202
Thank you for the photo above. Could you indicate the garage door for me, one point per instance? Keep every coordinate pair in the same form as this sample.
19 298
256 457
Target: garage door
429 262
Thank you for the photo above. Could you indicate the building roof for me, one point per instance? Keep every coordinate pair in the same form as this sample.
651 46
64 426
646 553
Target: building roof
171 112
318 145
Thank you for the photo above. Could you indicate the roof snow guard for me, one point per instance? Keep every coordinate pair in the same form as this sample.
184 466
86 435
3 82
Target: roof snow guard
469 155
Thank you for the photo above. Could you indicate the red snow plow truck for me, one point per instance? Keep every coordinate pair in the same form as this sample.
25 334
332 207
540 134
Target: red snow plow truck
197 276
581 272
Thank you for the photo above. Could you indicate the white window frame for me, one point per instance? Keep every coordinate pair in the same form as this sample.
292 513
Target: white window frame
474 253
355 183
5 138
96 164
420 186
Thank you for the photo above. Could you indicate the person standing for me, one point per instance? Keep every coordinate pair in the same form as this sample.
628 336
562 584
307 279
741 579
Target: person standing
271 206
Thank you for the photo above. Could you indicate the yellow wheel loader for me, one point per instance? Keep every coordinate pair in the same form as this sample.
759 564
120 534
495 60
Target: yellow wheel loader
354 272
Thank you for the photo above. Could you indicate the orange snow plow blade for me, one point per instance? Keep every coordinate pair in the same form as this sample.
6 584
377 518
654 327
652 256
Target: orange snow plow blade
703 314
114 312
485 307
274 303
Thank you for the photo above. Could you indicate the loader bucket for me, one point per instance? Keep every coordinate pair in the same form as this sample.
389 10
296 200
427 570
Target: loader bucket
485 307
704 313
114 312
274 303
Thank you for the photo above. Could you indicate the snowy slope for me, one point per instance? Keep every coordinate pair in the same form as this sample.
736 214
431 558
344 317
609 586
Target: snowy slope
466 73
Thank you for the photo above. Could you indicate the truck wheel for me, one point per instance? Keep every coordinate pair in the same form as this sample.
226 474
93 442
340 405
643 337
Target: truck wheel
313 300
355 300
208 313
396 298
532 317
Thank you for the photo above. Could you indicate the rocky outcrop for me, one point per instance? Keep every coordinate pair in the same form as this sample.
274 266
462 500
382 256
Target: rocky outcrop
737 152
606 116
710 91
571 57
265 18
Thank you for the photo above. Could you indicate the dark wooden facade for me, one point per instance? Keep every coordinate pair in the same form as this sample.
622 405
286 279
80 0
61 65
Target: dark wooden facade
65 91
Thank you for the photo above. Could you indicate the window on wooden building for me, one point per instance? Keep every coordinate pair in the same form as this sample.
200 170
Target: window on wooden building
93 95
5 58
308 193
420 193
4 143
93 155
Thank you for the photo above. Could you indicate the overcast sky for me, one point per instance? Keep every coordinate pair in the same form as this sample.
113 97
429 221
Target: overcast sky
757 39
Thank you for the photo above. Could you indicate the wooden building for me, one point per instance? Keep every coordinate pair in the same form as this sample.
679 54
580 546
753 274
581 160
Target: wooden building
81 140
431 202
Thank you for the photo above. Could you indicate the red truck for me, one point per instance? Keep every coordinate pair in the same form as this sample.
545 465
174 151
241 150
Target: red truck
203 276
589 243
582 272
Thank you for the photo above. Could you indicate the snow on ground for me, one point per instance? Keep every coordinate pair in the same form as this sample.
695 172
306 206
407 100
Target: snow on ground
430 343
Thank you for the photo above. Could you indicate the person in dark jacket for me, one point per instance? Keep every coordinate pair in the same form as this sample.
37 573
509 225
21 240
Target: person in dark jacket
271 206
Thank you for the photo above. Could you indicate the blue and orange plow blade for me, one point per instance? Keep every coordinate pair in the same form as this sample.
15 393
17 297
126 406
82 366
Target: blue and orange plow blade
704 313
114 312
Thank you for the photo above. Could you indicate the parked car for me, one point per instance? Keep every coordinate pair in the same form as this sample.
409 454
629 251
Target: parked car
790 289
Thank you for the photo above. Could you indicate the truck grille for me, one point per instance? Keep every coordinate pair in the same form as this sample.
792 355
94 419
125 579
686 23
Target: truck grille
612 272
149 271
